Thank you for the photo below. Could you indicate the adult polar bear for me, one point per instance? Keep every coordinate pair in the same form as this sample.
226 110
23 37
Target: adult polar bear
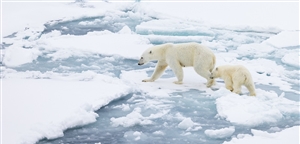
180 55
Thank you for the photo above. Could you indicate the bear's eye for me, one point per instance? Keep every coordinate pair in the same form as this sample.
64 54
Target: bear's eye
216 68
150 52
141 57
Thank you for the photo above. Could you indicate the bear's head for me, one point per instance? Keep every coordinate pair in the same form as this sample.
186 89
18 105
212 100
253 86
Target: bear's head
215 73
149 55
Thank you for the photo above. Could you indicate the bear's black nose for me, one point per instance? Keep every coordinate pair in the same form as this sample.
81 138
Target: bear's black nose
140 63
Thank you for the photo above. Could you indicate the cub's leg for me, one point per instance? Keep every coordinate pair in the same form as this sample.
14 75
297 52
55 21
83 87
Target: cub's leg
237 84
251 89
228 84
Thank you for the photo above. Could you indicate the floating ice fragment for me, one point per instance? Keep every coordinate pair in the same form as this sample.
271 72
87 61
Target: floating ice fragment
291 59
134 135
158 133
186 123
125 30
220 133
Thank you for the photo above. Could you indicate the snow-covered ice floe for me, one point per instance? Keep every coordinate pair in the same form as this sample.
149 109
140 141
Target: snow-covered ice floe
266 107
38 108
288 135
75 66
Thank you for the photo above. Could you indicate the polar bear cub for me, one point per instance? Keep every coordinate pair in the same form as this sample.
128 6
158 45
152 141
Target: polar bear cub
234 77
180 55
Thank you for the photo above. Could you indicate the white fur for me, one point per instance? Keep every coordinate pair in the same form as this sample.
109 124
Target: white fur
180 55
234 77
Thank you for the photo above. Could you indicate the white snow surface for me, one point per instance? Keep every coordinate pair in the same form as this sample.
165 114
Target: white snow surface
69 45
234 14
38 108
289 135
292 59
266 107
220 133
284 39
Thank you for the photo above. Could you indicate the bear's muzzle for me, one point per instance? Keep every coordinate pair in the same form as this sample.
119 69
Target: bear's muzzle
141 61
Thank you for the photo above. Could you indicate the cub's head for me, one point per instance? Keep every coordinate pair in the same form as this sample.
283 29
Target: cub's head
215 73
149 55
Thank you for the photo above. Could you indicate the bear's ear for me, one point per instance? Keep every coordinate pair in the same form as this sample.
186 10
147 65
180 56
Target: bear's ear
150 52
217 68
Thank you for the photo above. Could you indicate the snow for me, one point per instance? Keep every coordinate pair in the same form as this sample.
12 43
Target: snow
266 107
234 14
220 133
284 39
133 118
58 69
38 108
15 55
291 59
289 135
93 42
255 50
25 14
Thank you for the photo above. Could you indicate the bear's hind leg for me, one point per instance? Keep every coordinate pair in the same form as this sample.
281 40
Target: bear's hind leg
205 74
177 69
237 85
251 89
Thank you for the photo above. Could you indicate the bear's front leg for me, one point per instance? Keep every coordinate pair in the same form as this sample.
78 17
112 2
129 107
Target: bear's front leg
159 69
177 69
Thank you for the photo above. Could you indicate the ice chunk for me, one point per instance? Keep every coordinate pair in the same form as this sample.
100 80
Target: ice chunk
289 135
134 135
162 27
158 133
103 42
274 129
133 118
220 133
125 30
291 59
255 50
266 107
186 123
124 107
15 55
284 39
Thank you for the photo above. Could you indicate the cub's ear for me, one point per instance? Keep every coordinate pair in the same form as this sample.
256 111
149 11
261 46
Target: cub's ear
150 52
217 68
